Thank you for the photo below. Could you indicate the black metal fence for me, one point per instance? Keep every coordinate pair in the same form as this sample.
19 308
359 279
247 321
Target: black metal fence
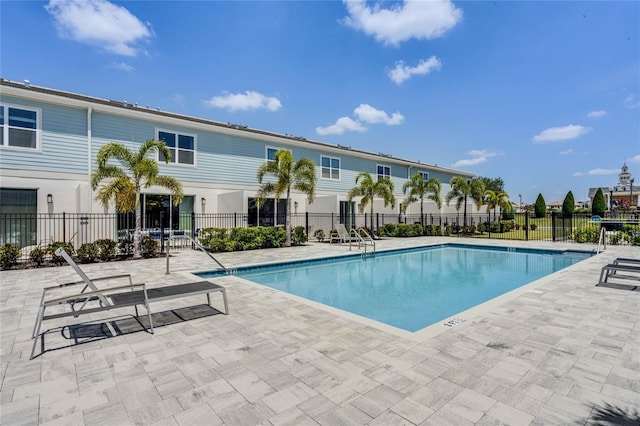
41 229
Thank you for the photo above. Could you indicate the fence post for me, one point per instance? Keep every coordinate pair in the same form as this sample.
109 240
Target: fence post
193 228
377 221
526 226
306 223
162 231
64 227
553 226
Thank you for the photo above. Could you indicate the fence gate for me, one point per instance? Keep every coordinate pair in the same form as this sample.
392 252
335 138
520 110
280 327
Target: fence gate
560 226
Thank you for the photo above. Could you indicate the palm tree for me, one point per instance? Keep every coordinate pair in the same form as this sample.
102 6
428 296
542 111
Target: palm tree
369 189
462 188
496 199
289 174
418 189
125 183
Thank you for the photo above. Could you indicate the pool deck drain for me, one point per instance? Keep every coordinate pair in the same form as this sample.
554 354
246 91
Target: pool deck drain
560 351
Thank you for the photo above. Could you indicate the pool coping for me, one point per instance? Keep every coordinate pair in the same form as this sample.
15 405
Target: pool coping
457 320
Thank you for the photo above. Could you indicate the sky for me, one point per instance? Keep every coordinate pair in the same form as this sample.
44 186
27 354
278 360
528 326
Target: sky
545 95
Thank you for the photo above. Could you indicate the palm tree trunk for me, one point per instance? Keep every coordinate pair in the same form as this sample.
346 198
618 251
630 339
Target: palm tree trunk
137 234
287 222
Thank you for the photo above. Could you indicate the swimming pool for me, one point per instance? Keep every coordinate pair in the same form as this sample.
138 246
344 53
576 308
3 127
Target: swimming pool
412 288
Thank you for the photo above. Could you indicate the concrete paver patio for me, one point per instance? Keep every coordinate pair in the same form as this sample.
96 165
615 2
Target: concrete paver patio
557 351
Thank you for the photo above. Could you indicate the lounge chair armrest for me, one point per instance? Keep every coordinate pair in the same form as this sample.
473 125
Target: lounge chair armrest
86 294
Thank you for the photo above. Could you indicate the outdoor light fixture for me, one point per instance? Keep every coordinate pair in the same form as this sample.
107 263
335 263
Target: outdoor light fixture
203 201
49 198
610 198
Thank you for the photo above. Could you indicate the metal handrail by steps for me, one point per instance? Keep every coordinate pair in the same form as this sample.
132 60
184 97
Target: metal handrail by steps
363 238
602 240
199 246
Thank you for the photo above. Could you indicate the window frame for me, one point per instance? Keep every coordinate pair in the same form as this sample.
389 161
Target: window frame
384 168
4 128
425 175
269 147
331 168
177 149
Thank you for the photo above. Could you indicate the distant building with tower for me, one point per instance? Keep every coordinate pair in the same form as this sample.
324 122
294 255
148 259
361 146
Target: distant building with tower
622 195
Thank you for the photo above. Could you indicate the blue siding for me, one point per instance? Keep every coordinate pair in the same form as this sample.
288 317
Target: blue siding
219 158
64 140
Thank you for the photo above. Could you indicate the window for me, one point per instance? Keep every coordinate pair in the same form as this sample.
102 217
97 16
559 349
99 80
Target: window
425 175
20 127
384 171
330 168
271 154
182 147
20 225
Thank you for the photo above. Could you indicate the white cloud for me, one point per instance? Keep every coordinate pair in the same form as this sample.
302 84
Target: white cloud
568 151
577 174
249 100
422 20
599 172
402 72
554 134
631 102
364 113
597 114
634 159
477 157
121 66
101 23
369 114
341 125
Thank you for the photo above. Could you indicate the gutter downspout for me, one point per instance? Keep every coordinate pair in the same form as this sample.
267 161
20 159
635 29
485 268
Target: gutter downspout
89 154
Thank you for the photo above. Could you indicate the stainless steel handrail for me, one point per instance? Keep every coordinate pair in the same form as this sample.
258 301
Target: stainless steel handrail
198 245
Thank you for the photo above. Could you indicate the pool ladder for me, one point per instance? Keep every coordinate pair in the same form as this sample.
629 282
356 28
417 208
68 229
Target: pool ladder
363 240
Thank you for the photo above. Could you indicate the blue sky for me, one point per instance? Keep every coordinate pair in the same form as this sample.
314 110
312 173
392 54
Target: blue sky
545 95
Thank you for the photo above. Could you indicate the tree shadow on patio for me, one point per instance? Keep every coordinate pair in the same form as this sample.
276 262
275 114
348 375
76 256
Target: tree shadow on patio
612 415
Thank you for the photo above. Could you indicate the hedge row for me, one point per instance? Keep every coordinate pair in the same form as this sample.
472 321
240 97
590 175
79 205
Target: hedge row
103 250
257 237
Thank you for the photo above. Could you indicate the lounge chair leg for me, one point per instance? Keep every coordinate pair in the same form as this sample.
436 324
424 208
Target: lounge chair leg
224 297
36 331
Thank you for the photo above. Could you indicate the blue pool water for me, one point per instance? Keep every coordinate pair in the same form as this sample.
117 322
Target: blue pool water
412 289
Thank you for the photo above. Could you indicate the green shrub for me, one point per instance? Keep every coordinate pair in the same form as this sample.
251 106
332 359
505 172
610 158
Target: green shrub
588 234
599 206
405 230
298 236
635 239
106 249
88 252
569 204
436 230
617 238
59 260
448 229
390 229
540 207
37 256
125 245
319 235
149 246
214 239
247 238
9 254
274 236
380 232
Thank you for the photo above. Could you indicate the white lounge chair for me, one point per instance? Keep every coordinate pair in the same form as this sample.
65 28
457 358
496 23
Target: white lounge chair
92 299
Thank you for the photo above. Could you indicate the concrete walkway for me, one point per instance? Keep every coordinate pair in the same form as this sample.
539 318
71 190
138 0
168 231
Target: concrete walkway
557 351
